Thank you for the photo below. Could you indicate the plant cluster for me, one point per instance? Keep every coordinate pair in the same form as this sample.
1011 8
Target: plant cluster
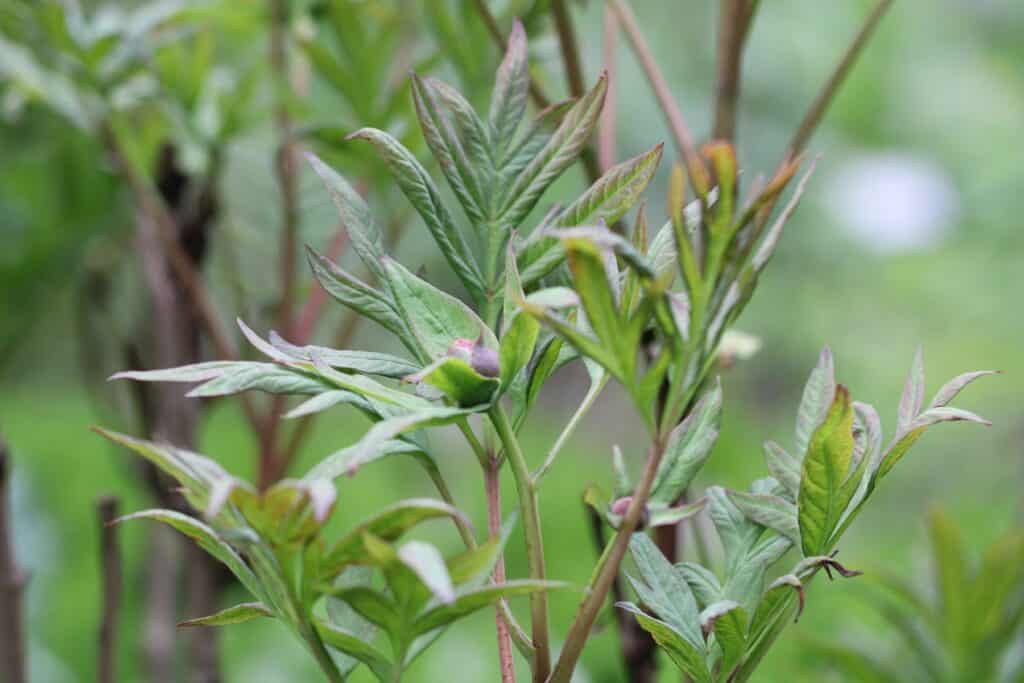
648 310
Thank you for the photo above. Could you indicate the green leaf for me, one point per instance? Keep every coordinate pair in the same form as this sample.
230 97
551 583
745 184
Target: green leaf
435 318
517 347
354 646
905 439
471 567
458 381
663 590
913 392
784 467
559 153
468 601
769 511
606 201
615 192
825 469
949 564
427 563
371 605
355 294
473 132
355 217
363 362
197 473
343 462
231 377
387 525
684 654
447 148
818 396
702 582
368 447
590 280
511 87
688 447
419 189
208 540
954 386
232 615
728 621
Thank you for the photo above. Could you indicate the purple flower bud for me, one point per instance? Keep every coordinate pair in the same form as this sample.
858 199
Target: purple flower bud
620 506
480 358
485 361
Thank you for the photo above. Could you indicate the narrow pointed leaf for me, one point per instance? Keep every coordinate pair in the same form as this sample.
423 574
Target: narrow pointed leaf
355 216
684 654
232 615
419 189
818 395
512 83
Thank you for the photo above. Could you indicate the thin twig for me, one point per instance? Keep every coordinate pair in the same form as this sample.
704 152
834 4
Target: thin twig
13 652
110 568
606 134
677 125
828 92
607 571
493 487
285 164
734 27
574 74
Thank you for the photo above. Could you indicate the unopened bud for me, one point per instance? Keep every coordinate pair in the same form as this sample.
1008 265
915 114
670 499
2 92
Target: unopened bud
620 507
481 358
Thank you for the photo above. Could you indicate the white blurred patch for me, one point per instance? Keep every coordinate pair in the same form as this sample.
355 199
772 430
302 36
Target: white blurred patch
893 202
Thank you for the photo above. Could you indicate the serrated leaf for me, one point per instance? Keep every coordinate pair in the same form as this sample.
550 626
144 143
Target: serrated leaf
419 189
356 294
688 447
606 201
435 318
468 601
818 396
825 470
685 655
511 87
447 149
355 217
232 615
558 153
473 132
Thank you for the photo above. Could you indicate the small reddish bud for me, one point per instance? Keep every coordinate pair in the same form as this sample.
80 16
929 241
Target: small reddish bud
620 506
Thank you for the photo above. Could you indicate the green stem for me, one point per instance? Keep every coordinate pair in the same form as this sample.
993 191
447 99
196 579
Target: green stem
322 656
592 393
528 510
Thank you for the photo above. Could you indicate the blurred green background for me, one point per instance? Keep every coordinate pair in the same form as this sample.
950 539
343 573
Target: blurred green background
910 234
